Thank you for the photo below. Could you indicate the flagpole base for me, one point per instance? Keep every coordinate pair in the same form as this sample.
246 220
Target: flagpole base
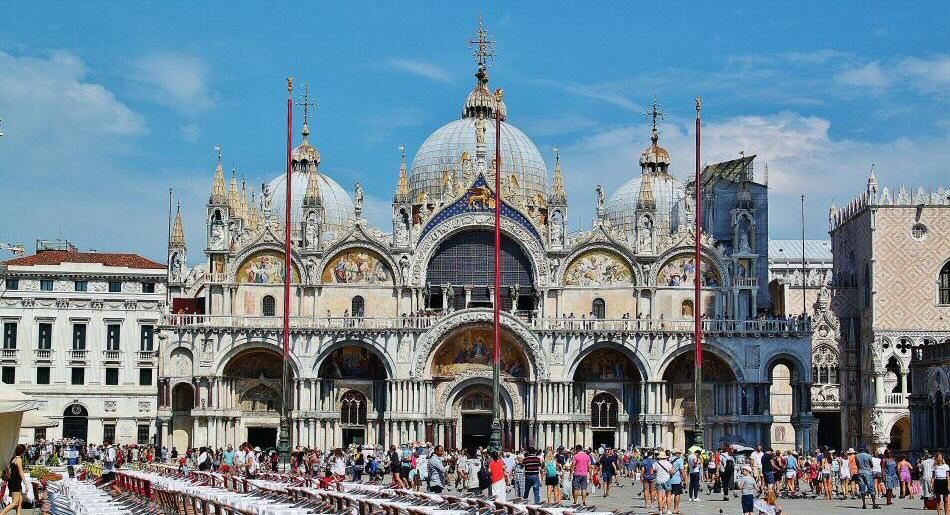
494 441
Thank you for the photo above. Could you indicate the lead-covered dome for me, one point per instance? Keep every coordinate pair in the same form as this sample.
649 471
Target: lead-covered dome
337 205
442 151
654 191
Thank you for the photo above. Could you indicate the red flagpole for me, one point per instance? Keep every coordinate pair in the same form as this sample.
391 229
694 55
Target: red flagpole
496 348
697 282
284 438
288 207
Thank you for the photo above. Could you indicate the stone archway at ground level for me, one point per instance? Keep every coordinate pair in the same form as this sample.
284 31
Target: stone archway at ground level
900 434
720 403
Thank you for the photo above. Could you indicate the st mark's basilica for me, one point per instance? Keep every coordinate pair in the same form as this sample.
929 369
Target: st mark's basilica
391 328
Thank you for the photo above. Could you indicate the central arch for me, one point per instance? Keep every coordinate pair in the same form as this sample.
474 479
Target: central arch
719 398
434 337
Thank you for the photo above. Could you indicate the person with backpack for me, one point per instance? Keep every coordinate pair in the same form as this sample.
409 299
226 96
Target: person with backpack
649 480
552 478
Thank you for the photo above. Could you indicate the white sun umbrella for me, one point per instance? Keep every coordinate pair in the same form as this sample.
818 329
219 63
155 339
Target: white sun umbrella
13 405
32 419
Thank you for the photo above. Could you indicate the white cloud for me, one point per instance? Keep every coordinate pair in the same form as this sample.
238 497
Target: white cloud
929 75
43 98
870 76
174 80
801 154
419 68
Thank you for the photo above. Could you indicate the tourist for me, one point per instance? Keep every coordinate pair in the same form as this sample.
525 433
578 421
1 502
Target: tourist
252 462
889 467
877 470
903 468
204 460
664 472
677 476
15 480
551 478
747 486
649 480
695 467
826 474
608 469
844 472
359 464
532 475
396 468
227 459
499 482
791 471
473 467
771 500
926 476
865 478
437 474
727 470
941 471
580 475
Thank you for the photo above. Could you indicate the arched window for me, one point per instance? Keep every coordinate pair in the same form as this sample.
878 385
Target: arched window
358 307
944 284
603 412
268 306
599 308
353 409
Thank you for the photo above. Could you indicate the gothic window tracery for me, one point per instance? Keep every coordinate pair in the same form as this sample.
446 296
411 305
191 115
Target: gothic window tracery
353 409
825 366
603 412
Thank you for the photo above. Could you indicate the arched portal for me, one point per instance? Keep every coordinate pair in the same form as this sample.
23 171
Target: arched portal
604 419
254 378
353 418
900 434
183 401
183 397
475 410
466 261
719 399
76 422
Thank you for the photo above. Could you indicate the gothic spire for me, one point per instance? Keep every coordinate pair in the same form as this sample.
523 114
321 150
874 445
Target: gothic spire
178 231
402 188
234 197
558 193
254 218
219 194
312 196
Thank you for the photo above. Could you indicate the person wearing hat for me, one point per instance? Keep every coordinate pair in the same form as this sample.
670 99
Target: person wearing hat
677 477
747 485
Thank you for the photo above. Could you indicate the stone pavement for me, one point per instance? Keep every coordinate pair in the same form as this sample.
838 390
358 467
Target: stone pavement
629 497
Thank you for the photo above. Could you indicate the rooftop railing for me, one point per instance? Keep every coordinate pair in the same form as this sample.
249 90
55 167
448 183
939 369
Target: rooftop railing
776 326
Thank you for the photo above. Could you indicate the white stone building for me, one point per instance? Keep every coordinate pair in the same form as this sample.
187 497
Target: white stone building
79 336
391 333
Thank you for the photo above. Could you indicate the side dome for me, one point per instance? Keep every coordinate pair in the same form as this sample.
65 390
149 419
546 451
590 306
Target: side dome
663 195
337 205
443 151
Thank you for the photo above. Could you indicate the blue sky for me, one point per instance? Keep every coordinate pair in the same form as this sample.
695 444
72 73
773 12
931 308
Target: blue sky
105 108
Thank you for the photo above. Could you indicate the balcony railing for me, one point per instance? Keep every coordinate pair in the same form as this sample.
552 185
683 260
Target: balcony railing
895 399
9 354
713 326
146 355
43 354
77 354
112 355
745 282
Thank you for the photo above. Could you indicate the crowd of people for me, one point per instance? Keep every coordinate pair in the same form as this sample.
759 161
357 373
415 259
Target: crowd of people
565 476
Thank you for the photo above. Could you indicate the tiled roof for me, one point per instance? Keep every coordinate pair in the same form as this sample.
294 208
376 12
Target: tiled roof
815 250
57 257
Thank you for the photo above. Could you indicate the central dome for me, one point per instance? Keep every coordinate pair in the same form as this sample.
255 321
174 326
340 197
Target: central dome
443 151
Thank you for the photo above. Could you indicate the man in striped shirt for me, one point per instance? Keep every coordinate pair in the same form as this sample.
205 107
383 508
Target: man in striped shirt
532 474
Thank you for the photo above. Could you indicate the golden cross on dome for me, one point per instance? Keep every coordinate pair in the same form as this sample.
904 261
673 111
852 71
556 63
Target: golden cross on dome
484 45
655 112
307 103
